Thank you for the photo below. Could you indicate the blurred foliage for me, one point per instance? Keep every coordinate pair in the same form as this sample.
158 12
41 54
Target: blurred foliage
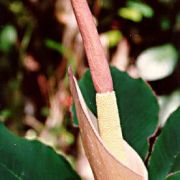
157 62
8 37
168 104
135 11
112 37
40 39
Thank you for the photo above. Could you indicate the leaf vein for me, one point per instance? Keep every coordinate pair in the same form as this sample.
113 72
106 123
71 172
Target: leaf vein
11 172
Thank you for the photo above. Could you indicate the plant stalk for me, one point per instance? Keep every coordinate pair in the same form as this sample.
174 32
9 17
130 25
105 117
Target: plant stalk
96 57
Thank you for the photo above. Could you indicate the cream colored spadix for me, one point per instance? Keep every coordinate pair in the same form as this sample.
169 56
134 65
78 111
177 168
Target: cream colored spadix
109 124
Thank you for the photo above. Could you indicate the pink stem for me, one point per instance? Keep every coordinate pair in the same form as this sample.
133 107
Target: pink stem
96 57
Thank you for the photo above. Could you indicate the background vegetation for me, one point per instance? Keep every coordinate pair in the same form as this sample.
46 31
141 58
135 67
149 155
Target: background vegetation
40 39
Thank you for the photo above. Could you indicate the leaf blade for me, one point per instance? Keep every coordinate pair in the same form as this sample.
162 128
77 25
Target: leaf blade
166 149
23 159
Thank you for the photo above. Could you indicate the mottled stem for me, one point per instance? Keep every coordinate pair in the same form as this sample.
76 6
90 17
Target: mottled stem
96 57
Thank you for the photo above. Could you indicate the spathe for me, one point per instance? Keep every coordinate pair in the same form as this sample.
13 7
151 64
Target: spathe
104 165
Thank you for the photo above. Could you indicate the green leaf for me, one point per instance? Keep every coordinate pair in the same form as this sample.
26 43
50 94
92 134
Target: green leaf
8 37
55 46
137 105
4 114
165 158
135 11
112 37
157 62
26 160
130 14
143 8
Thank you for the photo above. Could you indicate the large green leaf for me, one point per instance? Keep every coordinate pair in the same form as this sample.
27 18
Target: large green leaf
165 158
21 159
137 105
